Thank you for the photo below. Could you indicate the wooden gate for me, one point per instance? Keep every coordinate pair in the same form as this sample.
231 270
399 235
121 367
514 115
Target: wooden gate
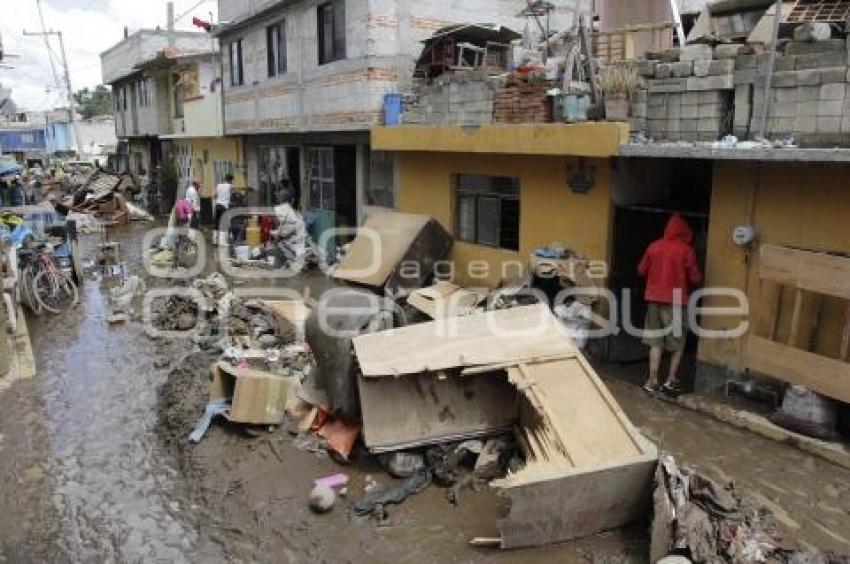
805 272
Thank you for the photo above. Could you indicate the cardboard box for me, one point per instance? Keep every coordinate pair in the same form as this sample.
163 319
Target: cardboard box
258 397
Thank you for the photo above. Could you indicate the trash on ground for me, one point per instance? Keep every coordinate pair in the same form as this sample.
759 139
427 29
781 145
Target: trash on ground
580 450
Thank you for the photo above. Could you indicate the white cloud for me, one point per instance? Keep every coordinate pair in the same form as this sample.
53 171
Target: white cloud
88 27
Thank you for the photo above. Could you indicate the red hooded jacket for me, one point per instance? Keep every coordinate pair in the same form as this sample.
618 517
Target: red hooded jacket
670 263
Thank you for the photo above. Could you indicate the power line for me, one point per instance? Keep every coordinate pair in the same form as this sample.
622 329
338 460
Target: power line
186 13
47 43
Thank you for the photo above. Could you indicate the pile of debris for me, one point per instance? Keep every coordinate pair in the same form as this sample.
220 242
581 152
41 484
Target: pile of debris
102 195
695 517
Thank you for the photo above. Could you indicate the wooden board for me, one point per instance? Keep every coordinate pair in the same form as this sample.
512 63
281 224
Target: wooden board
521 334
819 373
819 273
411 411
590 427
379 247
570 505
445 299
258 397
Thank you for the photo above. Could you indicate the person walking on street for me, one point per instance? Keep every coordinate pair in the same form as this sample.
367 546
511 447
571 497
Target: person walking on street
222 195
193 194
671 271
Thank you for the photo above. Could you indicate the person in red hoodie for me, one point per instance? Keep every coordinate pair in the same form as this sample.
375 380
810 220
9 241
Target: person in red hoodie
671 271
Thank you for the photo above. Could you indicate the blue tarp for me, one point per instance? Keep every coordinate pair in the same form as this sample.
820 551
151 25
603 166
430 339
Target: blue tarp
10 167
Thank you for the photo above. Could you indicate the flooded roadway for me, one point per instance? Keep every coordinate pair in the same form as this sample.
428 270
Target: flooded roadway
88 478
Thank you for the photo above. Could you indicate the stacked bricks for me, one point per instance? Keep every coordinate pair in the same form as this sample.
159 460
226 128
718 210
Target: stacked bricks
689 93
520 102
808 97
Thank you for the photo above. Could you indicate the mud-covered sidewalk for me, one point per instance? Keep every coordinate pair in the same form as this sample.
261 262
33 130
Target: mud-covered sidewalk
98 468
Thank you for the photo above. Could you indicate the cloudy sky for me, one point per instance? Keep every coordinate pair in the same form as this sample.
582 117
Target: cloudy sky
88 27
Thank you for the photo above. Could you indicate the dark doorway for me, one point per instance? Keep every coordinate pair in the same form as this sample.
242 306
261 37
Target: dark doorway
646 194
345 191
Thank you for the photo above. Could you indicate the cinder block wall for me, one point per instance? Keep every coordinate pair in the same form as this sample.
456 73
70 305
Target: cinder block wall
383 41
700 94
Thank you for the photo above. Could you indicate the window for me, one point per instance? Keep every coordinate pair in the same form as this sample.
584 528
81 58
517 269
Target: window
237 77
487 210
320 178
331 31
380 187
276 48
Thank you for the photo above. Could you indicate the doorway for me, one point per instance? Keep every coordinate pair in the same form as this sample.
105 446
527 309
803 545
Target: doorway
646 193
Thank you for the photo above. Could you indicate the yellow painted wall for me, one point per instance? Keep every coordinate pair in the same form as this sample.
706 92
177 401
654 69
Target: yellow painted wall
794 205
220 149
549 211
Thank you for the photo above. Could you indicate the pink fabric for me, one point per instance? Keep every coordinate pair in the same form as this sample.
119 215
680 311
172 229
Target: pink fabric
183 209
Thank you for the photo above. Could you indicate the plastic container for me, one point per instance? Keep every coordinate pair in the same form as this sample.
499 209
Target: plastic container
252 233
393 109
243 252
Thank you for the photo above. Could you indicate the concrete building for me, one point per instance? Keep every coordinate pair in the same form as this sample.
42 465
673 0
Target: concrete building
145 92
305 81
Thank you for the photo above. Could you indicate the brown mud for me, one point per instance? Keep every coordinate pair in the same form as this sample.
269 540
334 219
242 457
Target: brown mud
97 466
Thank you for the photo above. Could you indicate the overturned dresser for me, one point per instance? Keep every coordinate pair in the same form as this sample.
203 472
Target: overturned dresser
587 469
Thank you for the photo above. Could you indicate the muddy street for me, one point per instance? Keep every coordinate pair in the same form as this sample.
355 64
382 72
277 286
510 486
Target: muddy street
100 469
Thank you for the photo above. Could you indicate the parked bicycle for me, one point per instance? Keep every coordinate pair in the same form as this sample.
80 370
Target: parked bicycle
43 285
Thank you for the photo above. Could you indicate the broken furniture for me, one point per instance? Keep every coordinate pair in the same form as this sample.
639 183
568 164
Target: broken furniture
394 252
257 397
445 299
814 277
587 468
445 51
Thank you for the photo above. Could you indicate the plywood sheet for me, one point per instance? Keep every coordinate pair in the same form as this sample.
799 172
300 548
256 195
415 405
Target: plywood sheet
824 375
516 335
415 410
587 424
577 504
377 250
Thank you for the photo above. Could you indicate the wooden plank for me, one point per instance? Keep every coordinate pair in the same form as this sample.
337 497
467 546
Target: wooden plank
572 505
587 427
513 335
794 331
776 308
824 375
422 409
845 336
819 273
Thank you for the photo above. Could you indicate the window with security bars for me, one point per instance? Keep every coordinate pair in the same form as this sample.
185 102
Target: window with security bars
487 210
320 178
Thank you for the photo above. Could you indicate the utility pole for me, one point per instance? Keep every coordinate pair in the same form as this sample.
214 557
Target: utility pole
72 106
47 44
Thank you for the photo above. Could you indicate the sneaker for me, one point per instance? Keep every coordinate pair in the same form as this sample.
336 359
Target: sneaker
649 389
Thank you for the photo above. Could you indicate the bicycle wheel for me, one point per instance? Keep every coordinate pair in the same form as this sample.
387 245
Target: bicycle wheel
28 290
55 291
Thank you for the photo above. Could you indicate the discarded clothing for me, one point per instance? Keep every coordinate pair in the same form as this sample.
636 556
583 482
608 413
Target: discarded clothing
218 407
374 502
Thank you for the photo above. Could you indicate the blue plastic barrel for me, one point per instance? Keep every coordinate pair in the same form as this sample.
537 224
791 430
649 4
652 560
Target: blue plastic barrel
392 109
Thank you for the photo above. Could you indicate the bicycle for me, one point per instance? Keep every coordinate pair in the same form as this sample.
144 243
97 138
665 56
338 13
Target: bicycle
45 287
